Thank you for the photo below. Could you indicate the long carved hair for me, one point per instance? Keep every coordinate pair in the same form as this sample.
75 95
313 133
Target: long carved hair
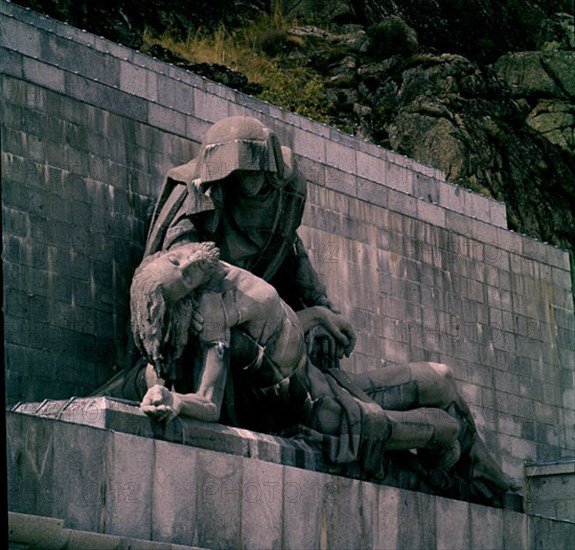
161 329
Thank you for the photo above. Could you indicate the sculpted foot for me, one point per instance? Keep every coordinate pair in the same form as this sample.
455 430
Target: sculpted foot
485 468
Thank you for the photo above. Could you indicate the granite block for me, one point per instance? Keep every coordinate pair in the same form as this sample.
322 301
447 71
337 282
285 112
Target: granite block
486 527
551 534
402 203
10 64
129 487
417 529
106 97
399 178
80 485
430 213
372 168
209 107
262 506
68 54
176 95
219 500
29 460
557 257
453 526
515 530
136 58
167 119
341 157
237 109
301 496
337 497
310 146
426 189
216 437
374 193
451 197
138 81
20 37
174 485
196 129
340 181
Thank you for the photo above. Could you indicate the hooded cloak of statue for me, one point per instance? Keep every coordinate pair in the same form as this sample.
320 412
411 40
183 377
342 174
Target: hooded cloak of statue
200 201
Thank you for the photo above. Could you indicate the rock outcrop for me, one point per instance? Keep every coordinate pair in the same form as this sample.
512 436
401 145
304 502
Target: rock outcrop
543 81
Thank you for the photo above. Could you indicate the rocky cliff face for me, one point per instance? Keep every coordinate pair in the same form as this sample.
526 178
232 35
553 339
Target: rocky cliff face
504 129
483 89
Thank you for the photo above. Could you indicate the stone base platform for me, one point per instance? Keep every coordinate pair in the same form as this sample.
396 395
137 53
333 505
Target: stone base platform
550 488
107 411
100 466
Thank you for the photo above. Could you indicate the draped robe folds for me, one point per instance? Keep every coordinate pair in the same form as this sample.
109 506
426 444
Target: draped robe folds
259 234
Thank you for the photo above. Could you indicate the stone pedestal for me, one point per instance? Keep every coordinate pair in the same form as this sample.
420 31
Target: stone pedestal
100 466
550 489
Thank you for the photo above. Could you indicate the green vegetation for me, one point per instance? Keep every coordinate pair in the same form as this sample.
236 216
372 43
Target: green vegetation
260 50
297 90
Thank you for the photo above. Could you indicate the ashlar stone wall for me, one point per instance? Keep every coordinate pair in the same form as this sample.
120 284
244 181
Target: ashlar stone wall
426 270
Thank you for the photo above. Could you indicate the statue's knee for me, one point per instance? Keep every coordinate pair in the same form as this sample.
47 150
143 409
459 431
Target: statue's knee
435 384
441 369
327 416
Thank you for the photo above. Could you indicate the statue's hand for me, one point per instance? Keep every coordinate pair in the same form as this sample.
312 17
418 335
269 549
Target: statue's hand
336 327
340 329
323 350
160 403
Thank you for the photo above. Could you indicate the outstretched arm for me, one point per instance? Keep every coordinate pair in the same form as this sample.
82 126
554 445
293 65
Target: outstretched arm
203 404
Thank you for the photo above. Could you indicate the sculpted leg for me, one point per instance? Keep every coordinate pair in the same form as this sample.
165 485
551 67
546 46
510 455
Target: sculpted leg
432 431
417 387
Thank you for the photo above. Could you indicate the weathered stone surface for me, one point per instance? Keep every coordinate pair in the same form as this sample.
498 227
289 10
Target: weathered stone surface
174 481
262 505
550 489
555 121
544 80
220 489
28 530
393 330
160 491
453 526
128 492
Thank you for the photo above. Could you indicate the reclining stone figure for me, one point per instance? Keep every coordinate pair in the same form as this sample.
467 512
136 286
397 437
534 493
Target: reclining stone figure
244 192
253 340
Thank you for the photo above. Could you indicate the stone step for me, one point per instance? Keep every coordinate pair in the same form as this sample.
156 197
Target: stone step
27 531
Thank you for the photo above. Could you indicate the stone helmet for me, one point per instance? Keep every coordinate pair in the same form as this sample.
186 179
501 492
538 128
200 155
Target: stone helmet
242 143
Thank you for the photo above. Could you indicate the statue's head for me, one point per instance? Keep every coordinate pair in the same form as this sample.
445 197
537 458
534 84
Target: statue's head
161 299
245 147
179 271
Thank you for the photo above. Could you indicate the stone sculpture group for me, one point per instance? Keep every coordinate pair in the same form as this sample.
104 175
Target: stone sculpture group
234 325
